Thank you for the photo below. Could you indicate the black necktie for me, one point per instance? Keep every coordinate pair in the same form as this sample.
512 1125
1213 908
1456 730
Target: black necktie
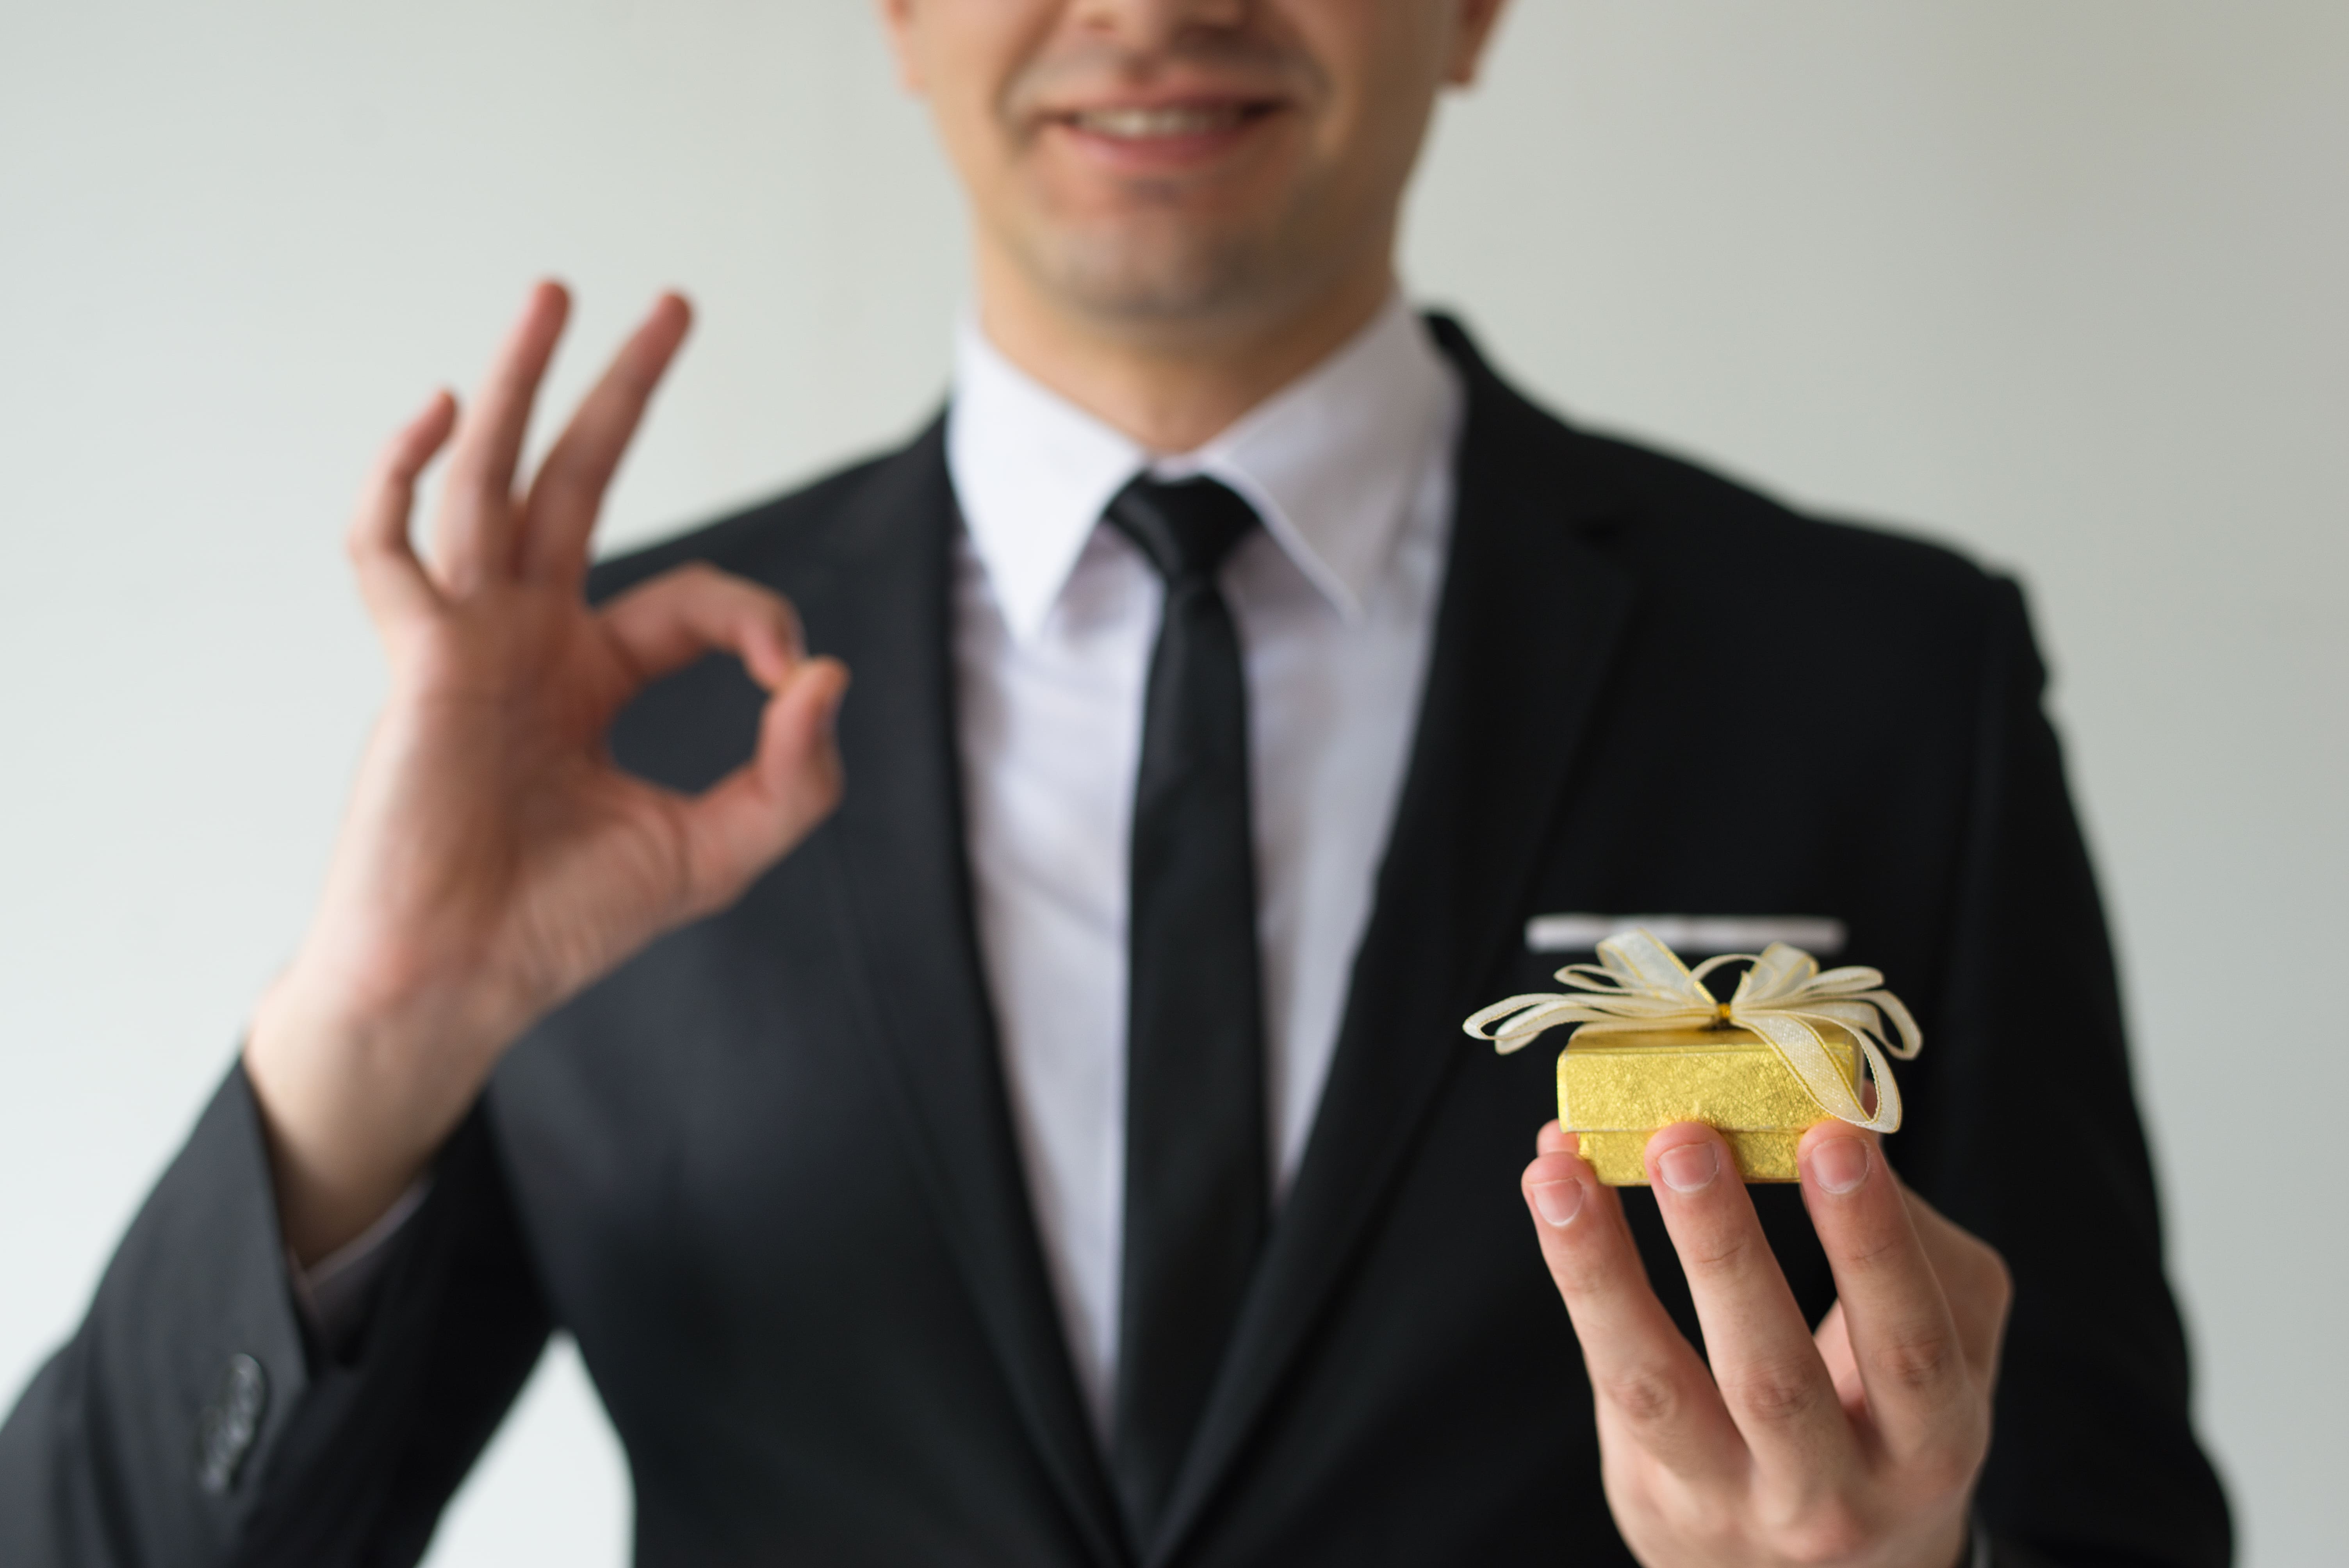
1194 1119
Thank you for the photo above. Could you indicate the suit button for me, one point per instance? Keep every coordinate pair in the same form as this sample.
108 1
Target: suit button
225 1431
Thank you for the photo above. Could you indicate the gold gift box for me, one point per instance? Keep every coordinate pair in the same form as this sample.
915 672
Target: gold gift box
1618 1091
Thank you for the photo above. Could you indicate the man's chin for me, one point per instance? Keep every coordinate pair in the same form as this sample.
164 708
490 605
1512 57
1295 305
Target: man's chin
1158 276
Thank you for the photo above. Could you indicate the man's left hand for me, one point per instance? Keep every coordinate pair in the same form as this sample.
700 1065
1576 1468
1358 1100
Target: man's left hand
1858 1445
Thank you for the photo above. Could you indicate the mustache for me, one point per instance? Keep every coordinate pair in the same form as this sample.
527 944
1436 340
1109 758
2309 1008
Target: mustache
1223 62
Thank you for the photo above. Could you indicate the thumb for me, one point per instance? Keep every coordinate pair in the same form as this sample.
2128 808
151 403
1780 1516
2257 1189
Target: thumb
755 815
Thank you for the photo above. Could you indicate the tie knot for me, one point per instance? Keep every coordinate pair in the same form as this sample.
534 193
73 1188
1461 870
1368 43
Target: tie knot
1185 527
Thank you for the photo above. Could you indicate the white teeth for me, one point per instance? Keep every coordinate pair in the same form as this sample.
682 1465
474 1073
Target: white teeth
1142 124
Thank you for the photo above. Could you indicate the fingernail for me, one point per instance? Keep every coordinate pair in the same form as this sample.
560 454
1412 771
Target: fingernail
1689 1167
1560 1203
1839 1164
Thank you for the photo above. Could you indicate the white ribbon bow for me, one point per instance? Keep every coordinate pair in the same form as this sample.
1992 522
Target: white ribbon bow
1639 986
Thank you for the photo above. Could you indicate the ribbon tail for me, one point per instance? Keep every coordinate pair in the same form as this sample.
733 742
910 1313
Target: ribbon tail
1887 1089
1798 1045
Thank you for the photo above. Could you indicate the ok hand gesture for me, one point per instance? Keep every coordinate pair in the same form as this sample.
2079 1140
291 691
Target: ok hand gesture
493 862
1857 1446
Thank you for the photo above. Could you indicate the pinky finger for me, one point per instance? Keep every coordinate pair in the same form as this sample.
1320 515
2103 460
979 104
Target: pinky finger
391 580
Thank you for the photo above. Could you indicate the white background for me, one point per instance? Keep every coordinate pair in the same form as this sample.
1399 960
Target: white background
2062 283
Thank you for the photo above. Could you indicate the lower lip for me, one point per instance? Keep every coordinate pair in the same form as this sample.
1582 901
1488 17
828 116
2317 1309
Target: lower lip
1144 154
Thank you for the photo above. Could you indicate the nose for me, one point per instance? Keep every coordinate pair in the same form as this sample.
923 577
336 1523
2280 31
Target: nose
1158 24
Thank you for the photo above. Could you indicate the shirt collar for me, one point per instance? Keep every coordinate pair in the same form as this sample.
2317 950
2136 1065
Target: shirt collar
1332 463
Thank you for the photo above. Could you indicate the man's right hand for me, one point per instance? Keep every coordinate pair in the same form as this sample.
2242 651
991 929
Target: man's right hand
493 861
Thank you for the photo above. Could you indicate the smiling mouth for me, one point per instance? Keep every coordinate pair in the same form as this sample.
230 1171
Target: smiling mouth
1141 124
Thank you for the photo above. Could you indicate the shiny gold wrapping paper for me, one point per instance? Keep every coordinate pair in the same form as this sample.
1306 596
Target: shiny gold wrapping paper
1617 1090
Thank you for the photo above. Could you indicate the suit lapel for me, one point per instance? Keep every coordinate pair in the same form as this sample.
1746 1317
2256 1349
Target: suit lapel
1529 622
896 862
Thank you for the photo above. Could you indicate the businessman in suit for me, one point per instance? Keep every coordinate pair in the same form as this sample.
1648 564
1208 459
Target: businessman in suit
1017 1114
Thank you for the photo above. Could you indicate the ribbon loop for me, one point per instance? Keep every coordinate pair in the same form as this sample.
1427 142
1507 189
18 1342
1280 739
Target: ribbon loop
1639 986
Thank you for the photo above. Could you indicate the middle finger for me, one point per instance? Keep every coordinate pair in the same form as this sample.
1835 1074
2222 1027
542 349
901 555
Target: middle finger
564 498
1767 1366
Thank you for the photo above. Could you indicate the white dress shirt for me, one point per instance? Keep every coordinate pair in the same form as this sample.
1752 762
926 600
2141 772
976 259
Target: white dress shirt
1055 619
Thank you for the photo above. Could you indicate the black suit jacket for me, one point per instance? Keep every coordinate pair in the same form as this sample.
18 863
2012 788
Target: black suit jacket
765 1174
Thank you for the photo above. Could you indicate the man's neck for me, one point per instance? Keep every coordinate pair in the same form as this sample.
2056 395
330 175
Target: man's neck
1172 387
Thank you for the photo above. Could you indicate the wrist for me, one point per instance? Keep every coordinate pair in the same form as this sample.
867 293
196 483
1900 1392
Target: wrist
354 1103
1953 1546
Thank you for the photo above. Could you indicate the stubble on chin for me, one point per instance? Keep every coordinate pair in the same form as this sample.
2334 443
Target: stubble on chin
1154 269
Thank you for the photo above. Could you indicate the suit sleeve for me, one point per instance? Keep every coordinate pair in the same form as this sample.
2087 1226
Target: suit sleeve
191 1420
2033 1141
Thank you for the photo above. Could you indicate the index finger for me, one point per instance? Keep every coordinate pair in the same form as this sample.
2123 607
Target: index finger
1647 1381
1904 1339
668 622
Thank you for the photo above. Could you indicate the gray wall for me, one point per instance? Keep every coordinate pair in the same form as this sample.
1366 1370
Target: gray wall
2063 284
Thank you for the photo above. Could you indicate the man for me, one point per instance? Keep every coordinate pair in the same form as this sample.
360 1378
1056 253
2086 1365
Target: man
1064 1150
